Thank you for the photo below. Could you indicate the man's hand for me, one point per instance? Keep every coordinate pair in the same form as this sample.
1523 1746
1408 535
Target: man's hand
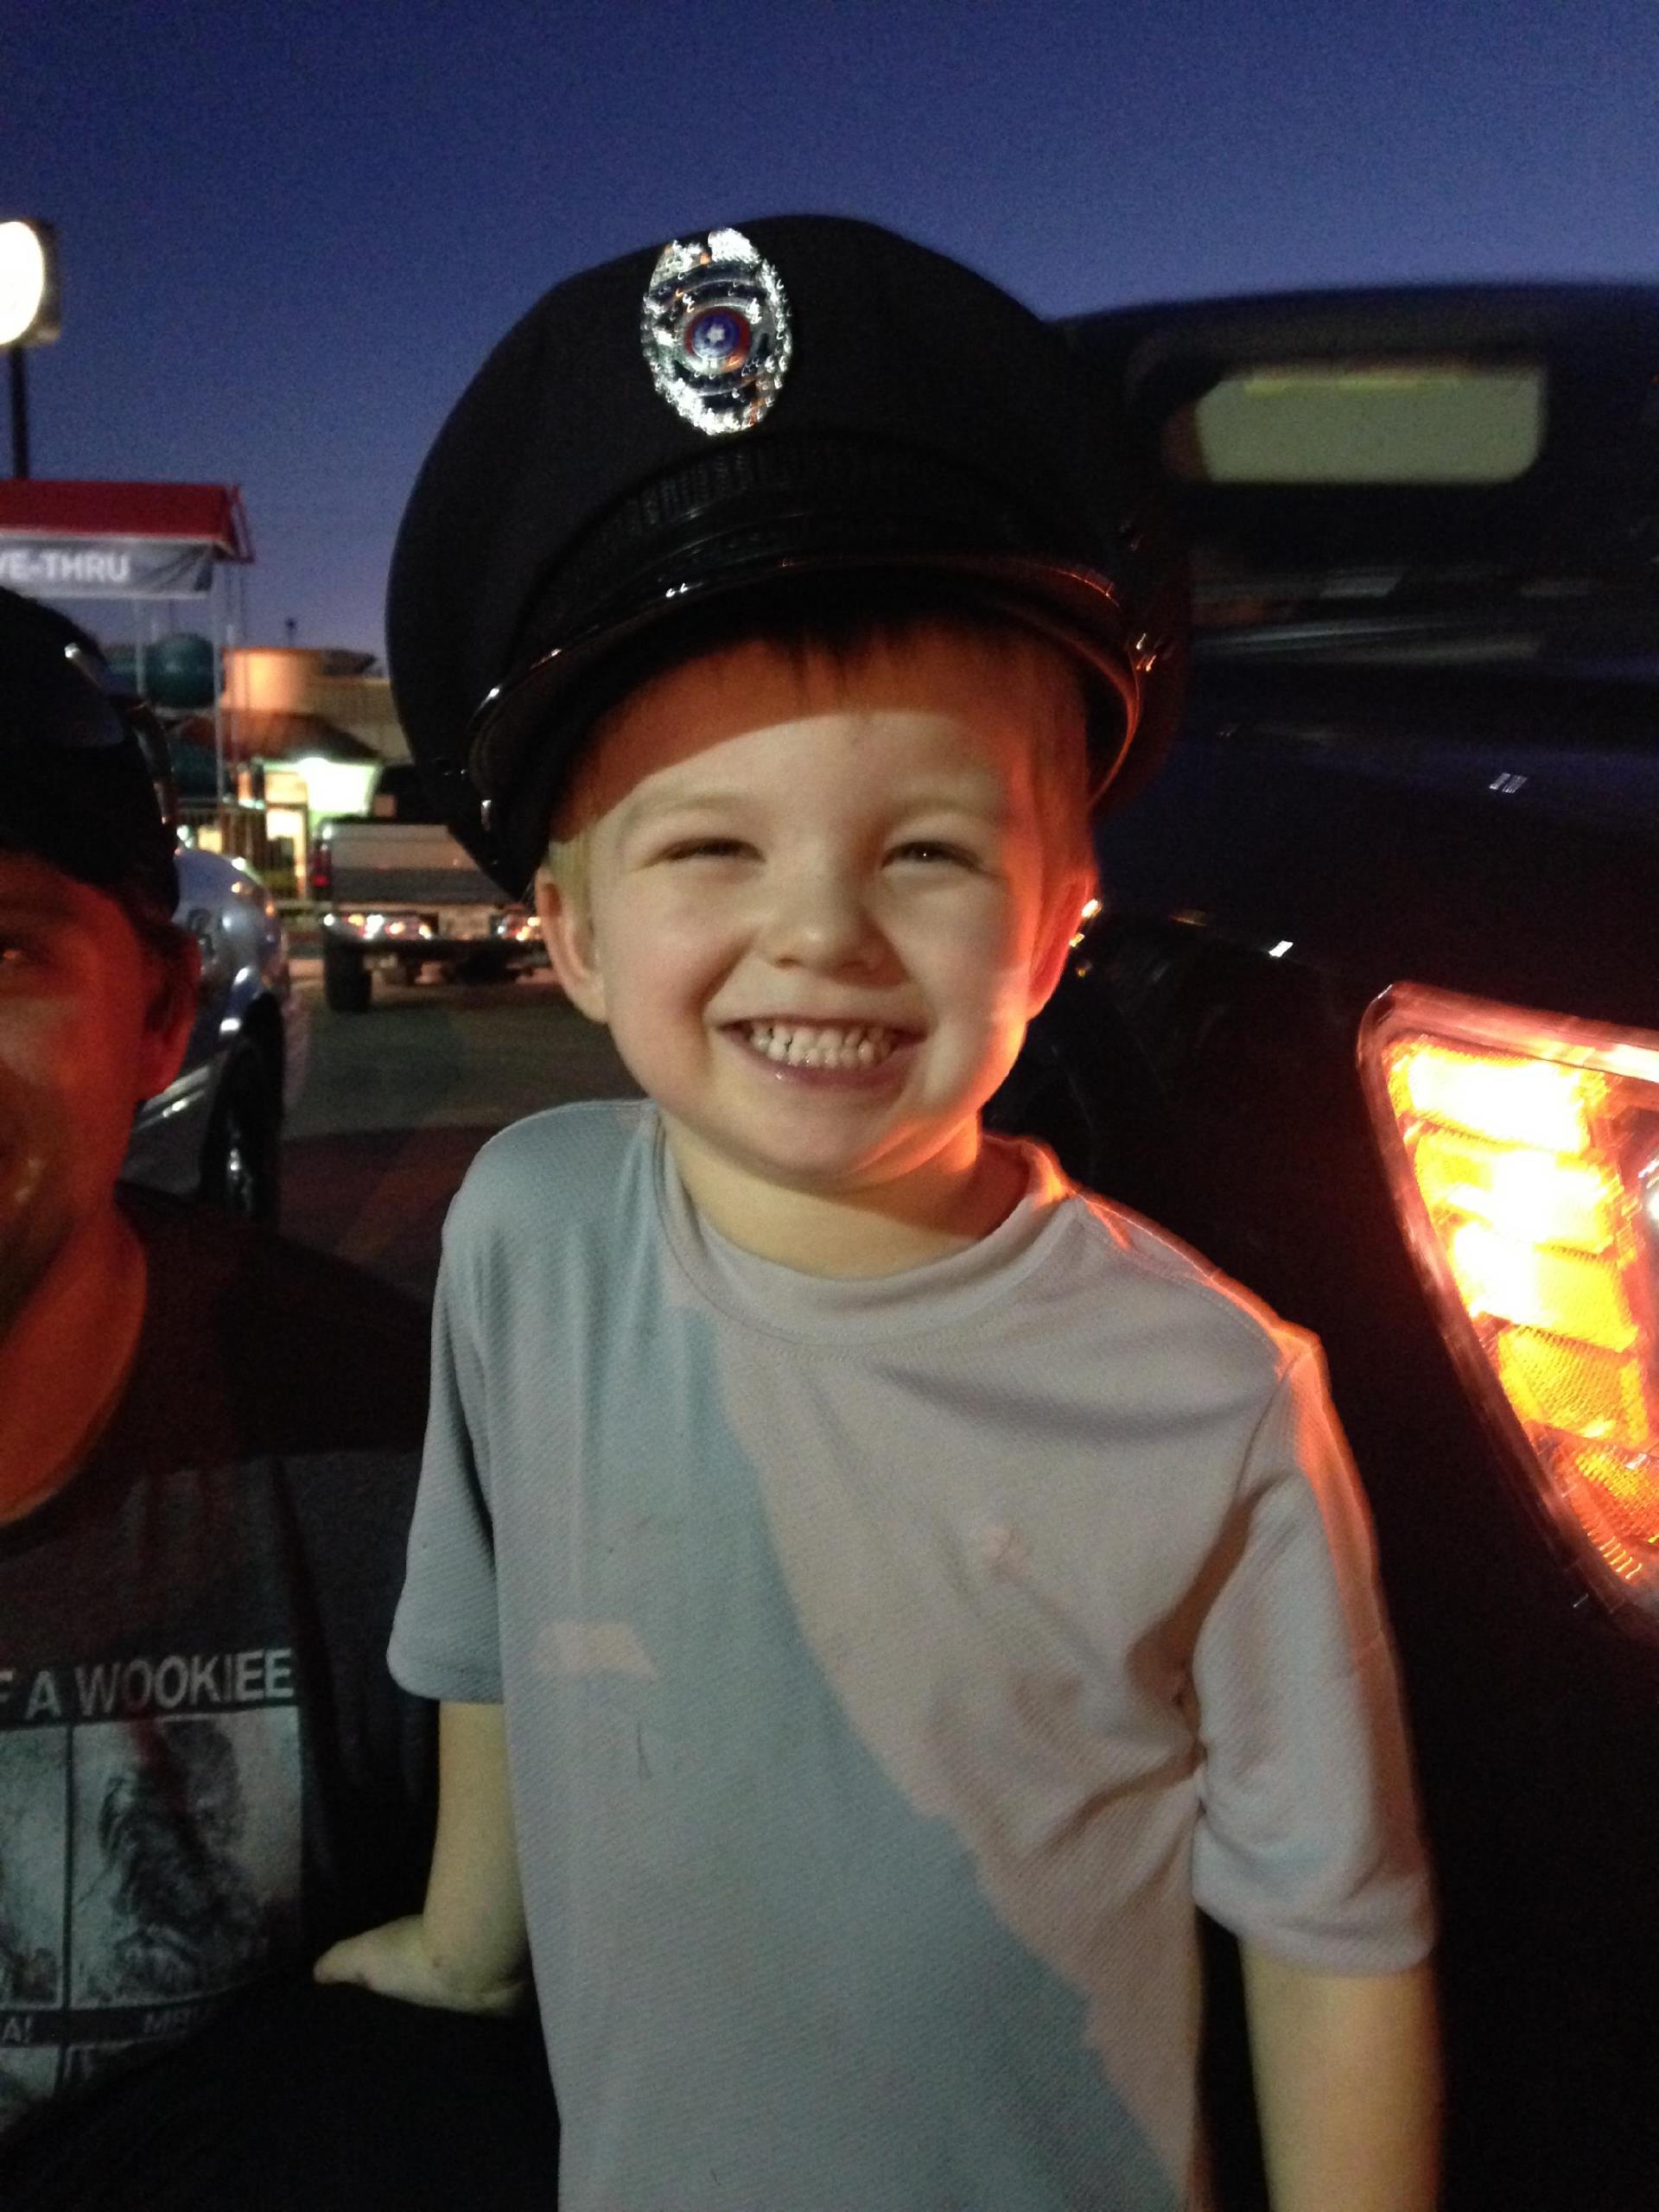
394 1961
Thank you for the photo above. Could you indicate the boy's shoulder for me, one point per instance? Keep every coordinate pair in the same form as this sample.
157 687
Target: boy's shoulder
1117 1274
563 1166
1112 1285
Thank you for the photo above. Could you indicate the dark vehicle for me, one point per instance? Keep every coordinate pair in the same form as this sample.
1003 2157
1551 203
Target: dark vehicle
1370 1017
215 1133
398 891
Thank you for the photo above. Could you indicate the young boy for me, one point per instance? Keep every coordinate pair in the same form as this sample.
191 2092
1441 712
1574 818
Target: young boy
881 1588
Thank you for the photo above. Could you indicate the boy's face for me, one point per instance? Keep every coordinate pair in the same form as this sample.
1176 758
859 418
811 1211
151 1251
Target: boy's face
89 1027
824 901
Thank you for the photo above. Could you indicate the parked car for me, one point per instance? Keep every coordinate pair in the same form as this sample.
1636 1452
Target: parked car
215 1133
1370 1016
396 890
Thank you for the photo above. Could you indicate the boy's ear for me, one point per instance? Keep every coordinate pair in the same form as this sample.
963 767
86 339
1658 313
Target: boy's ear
568 934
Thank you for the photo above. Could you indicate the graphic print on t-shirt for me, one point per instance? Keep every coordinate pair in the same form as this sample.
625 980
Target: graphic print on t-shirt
149 1854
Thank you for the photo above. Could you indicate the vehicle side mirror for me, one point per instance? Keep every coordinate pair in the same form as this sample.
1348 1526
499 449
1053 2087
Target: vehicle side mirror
203 924
146 727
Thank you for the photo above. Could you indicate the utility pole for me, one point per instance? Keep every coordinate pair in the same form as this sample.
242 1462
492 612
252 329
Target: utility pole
19 410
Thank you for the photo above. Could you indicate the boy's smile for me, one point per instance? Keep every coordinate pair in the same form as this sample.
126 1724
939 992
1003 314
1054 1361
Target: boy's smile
819 1048
822 902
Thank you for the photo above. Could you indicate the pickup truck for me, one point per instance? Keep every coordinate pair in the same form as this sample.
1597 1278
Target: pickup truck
1370 1016
398 891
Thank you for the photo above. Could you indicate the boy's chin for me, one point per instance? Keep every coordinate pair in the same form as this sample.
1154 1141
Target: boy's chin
865 1177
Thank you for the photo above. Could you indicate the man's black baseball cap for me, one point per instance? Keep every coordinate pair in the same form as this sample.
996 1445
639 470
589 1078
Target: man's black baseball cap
75 788
804 407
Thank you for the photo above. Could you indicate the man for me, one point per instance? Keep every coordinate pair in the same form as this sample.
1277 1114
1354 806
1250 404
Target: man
207 1453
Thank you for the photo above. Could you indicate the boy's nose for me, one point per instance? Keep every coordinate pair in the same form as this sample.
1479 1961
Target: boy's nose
815 918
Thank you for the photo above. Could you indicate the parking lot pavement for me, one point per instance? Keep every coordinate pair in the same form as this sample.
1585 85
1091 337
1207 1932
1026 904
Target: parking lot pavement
379 1197
433 1054
397 1100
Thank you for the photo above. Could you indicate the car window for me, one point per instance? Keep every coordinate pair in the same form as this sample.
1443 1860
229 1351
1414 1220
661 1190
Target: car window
1427 477
1388 420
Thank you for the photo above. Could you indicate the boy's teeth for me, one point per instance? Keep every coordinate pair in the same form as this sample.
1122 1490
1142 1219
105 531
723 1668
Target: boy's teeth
803 1045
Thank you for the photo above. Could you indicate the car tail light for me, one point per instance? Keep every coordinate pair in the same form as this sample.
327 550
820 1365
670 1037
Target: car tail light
1523 1152
320 873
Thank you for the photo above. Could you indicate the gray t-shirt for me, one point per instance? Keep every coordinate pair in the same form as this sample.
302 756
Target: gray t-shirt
889 1666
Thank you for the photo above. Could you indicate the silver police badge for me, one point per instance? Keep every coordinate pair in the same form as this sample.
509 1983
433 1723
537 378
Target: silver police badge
715 330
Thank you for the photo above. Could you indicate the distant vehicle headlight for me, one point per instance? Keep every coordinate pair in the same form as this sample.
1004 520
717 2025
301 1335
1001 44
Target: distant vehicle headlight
1523 1152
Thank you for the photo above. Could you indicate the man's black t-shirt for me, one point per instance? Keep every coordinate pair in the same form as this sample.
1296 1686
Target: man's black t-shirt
207 1773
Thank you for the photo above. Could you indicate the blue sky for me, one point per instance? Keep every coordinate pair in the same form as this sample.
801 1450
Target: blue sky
289 233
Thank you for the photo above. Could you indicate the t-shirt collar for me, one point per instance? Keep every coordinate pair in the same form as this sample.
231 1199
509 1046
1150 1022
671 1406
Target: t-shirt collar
789 1302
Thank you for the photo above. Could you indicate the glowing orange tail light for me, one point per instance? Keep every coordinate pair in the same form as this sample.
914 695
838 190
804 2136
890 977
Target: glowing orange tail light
1524 1155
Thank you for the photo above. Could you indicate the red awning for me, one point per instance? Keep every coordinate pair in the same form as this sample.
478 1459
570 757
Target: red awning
204 514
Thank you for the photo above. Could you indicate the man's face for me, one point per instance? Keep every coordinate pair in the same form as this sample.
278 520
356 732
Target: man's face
89 1027
822 902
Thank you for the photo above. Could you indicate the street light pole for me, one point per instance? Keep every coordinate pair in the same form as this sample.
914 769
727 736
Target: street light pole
19 412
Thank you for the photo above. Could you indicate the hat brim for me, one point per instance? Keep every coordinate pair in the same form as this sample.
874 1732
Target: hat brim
527 734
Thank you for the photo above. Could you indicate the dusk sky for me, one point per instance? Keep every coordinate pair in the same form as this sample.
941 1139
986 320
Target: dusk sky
290 233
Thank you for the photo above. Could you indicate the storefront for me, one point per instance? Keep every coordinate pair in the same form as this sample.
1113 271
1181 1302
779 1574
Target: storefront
172 555
266 741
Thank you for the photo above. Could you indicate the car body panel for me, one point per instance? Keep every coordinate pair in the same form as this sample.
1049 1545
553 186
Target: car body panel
390 864
246 1001
1378 798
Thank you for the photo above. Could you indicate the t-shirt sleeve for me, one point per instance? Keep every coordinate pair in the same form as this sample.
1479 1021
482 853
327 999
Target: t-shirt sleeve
446 1638
1308 1841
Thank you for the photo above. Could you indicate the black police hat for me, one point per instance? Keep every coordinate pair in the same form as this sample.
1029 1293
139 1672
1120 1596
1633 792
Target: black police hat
806 402
75 788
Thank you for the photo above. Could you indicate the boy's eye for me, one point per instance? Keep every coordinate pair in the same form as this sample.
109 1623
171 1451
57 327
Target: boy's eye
934 852
714 848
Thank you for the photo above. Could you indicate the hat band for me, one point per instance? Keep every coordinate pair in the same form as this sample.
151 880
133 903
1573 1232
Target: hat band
830 493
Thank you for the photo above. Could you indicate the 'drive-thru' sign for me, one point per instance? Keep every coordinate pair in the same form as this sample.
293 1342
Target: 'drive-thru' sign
60 540
107 567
